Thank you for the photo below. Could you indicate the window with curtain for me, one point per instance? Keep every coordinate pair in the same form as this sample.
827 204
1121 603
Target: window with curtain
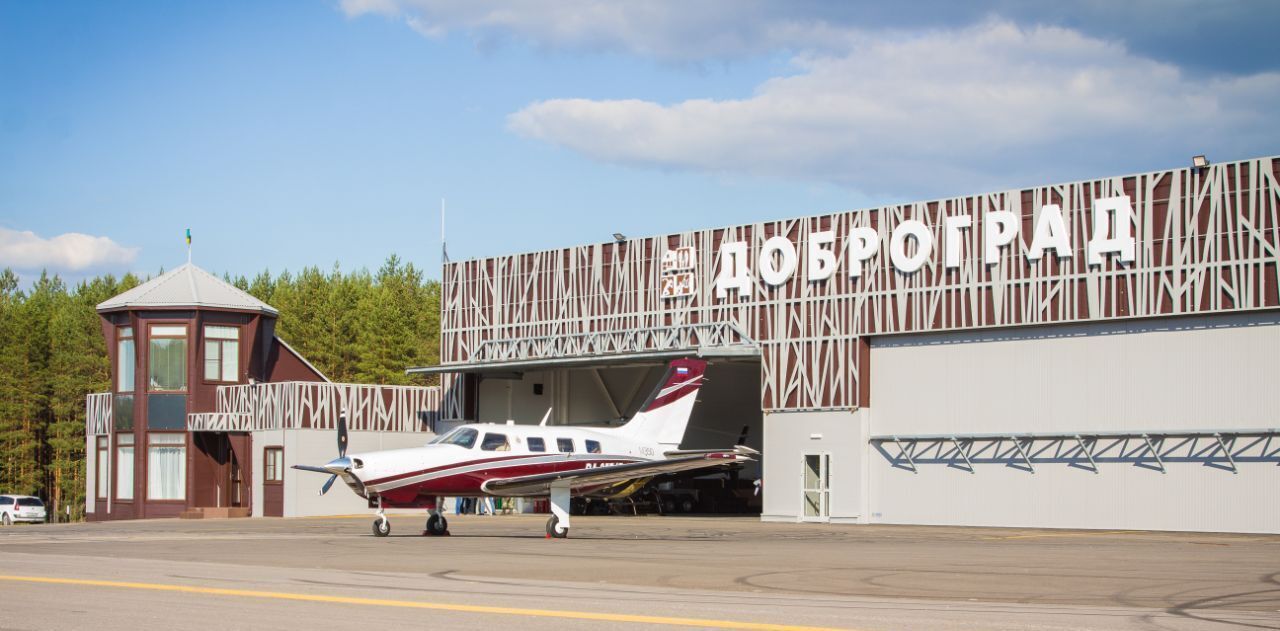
167 358
124 466
274 461
126 359
221 353
103 455
167 466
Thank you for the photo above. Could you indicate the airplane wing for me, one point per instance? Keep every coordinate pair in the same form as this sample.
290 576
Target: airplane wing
608 475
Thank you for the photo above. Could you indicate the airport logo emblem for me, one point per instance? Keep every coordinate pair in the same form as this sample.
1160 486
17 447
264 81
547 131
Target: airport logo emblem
678 268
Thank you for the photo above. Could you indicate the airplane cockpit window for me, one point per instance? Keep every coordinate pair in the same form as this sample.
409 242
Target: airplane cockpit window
464 437
536 444
495 442
593 446
565 445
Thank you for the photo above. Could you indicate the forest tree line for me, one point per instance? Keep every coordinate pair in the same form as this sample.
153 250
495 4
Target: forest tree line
358 326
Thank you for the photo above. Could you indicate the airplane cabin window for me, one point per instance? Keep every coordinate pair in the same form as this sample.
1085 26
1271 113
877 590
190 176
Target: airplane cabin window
464 437
565 445
593 446
495 442
536 444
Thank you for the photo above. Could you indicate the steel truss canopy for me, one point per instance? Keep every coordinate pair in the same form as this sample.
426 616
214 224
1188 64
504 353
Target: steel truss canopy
595 361
720 340
1208 447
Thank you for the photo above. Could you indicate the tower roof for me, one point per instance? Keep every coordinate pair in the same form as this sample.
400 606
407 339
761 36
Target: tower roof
186 286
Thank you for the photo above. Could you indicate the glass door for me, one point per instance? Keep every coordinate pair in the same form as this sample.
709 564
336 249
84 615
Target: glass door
816 487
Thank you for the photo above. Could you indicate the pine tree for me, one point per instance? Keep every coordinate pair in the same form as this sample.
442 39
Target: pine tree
78 362
13 351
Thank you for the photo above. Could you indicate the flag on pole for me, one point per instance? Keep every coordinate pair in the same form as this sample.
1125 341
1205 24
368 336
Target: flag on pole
188 236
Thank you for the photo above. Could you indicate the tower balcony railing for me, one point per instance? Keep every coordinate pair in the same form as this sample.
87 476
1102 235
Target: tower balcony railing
317 405
97 413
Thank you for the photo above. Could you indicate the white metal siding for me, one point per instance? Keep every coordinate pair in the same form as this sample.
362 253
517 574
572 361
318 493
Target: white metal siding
1215 372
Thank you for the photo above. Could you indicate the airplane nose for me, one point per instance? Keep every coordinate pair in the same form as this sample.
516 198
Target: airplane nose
338 466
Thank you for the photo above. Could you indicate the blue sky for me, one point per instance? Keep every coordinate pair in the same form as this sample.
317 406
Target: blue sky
288 134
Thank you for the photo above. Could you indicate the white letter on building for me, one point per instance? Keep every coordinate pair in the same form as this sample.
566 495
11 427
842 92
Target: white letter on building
734 274
821 261
1111 233
951 238
1051 233
999 228
863 243
898 246
779 274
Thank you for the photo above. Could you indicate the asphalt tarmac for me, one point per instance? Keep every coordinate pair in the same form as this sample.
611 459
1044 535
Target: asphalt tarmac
627 572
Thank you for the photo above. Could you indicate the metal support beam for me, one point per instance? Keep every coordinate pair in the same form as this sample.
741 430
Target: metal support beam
608 396
1226 451
905 454
1088 453
963 454
1025 457
1155 452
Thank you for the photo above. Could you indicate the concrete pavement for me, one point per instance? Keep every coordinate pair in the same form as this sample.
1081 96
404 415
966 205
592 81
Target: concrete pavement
634 572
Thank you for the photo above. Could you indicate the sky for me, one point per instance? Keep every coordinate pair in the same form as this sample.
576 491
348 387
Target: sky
293 134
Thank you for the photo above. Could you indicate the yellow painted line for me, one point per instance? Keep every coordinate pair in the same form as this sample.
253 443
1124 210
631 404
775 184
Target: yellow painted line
409 604
1101 533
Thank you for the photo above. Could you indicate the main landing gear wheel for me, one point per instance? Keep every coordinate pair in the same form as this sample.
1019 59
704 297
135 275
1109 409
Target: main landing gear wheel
381 527
437 525
552 531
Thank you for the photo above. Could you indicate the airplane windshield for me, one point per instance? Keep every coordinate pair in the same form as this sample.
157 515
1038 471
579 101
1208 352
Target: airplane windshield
464 437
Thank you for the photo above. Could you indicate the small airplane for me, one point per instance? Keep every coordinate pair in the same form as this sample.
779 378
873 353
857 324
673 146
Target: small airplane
559 462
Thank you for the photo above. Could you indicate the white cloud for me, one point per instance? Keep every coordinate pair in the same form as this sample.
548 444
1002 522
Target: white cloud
662 29
892 100
947 105
74 252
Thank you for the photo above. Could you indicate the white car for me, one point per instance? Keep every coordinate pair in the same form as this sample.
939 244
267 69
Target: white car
16 508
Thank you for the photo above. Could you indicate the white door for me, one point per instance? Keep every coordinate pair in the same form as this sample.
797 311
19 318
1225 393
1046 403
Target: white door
816 487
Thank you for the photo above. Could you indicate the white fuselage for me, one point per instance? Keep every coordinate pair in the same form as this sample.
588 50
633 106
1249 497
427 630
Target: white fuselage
458 463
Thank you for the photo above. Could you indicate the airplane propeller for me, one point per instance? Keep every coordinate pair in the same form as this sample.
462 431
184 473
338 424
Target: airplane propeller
337 466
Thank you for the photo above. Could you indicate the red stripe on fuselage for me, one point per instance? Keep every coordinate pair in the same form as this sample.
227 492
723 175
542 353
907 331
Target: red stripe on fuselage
469 483
401 476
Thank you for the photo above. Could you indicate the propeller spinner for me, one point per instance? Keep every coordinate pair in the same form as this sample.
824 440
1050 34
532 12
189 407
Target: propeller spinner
338 465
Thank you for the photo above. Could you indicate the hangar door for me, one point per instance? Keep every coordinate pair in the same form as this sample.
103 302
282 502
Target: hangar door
1186 374
728 406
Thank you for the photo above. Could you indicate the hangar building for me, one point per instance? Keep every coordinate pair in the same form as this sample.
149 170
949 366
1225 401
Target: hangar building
1096 354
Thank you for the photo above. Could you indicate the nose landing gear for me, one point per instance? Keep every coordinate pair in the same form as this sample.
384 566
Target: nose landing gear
381 525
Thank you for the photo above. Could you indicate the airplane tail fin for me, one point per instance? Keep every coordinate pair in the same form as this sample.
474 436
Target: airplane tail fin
665 415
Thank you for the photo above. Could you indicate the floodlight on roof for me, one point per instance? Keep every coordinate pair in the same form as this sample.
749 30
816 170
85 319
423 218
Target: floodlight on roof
618 236
1199 162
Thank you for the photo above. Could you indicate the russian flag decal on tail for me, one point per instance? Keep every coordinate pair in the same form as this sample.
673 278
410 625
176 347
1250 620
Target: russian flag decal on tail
682 370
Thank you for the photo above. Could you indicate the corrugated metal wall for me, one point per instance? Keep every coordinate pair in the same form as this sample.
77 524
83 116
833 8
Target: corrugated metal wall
1218 372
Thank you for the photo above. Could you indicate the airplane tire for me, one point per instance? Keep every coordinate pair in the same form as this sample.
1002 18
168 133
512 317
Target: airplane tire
553 532
437 525
381 527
